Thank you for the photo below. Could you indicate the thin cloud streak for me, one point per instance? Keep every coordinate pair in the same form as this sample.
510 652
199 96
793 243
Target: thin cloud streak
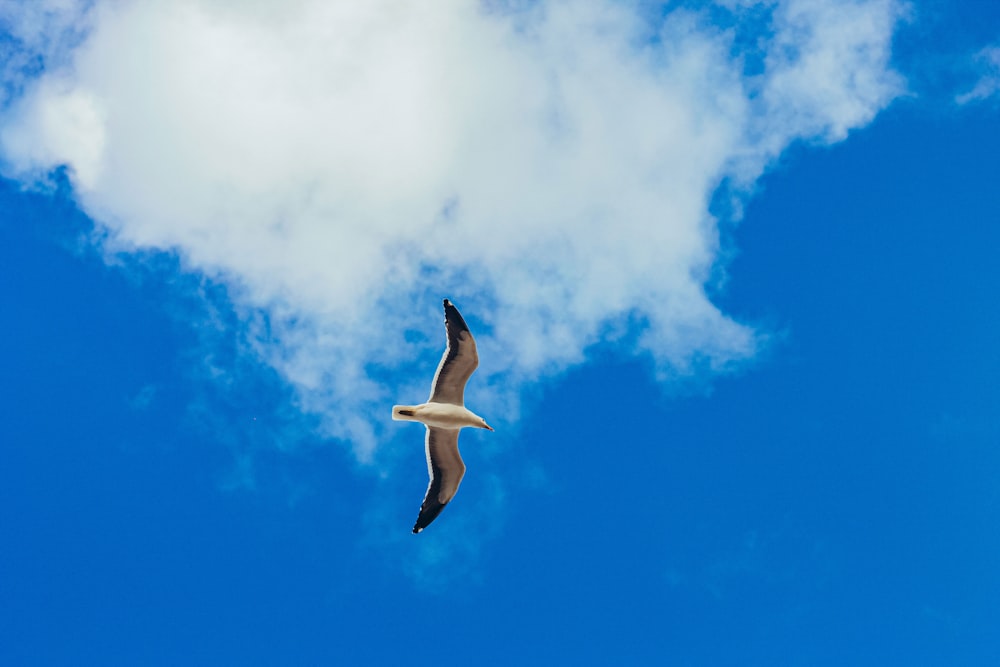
341 166
988 85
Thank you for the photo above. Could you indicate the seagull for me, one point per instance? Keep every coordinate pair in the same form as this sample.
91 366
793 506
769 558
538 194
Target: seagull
445 415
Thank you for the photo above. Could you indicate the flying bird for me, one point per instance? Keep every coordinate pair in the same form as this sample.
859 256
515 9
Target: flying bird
445 415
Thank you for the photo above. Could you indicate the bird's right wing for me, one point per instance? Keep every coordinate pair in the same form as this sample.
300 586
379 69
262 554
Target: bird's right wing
459 361
445 467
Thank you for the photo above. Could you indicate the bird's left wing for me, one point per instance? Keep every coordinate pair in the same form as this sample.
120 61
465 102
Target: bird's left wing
445 467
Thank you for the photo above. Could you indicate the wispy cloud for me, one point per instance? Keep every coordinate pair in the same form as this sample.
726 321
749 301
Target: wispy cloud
143 398
987 63
35 36
340 166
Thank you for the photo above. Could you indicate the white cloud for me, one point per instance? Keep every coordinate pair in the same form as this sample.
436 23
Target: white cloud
988 85
548 166
36 33
825 69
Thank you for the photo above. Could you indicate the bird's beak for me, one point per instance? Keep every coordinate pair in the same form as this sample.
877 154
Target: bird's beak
487 426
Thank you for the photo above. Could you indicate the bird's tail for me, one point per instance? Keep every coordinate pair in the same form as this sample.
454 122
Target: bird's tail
404 413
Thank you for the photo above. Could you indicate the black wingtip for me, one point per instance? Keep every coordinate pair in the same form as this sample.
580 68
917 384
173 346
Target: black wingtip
416 530
452 315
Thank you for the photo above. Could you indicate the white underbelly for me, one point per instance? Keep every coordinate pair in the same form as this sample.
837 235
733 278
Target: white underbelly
445 415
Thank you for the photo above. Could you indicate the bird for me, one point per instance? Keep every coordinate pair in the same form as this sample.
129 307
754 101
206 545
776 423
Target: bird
444 414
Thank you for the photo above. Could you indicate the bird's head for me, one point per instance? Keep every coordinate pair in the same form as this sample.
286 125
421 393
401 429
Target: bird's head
483 424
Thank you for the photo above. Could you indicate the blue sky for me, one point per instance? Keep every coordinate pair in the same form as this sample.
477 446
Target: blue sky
753 423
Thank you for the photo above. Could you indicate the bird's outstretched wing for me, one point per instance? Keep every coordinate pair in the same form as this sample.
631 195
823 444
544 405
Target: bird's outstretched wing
445 467
460 359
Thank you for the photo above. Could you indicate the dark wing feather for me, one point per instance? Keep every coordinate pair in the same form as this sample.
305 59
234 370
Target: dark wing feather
446 469
459 361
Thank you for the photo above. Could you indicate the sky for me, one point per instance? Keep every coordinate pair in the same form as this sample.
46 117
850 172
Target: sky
731 271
